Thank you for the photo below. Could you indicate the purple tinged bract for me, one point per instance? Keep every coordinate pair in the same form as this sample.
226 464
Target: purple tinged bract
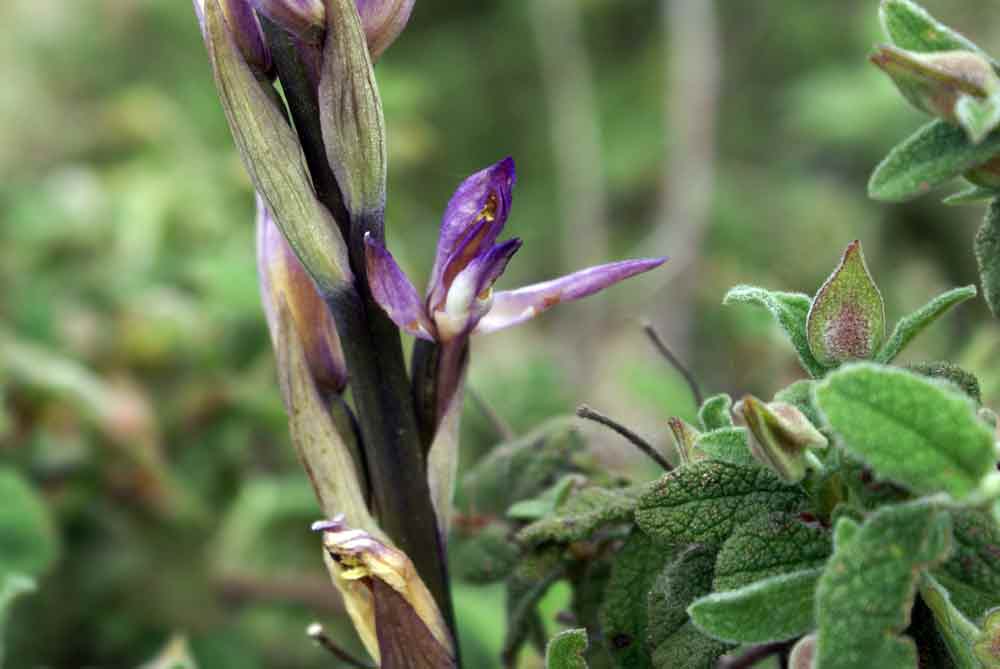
383 20
305 19
460 299
245 29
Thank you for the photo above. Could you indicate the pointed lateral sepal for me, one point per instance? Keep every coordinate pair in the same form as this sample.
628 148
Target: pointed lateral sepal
790 310
847 318
391 608
987 247
911 27
956 86
910 326
273 157
781 436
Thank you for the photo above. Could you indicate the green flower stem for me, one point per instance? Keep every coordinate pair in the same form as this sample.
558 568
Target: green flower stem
379 383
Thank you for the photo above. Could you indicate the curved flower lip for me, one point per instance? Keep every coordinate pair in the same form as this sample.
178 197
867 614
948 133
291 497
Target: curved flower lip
460 298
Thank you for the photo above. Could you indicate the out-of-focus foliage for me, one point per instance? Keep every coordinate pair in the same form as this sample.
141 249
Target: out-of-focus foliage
137 389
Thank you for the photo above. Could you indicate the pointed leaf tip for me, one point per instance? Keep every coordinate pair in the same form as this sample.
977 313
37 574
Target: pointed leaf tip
847 317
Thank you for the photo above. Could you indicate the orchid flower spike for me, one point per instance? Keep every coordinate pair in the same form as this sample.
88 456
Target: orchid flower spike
460 299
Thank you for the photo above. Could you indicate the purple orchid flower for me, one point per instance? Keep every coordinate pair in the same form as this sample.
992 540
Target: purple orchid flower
460 298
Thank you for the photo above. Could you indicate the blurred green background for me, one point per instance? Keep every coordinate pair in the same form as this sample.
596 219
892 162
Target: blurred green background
137 388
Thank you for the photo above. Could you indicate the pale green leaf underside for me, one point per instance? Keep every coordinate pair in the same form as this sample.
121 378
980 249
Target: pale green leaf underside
716 412
972 195
988 256
727 445
911 27
916 431
958 633
775 609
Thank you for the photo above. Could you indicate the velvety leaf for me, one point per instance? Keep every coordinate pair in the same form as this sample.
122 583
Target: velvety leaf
910 326
706 501
566 649
966 381
546 503
974 194
12 586
988 256
523 468
979 117
624 616
775 609
689 648
728 444
28 540
527 585
589 580
790 310
716 412
487 556
987 648
911 27
957 632
866 591
769 546
581 515
936 153
972 573
847 317
686 578
915 431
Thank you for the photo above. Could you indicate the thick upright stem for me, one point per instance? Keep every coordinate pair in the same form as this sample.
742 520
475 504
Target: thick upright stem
374 354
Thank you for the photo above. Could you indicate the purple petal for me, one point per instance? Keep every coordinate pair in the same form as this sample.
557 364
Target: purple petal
246 30
394 292
516 306
472 222
305 19
470 294
383 21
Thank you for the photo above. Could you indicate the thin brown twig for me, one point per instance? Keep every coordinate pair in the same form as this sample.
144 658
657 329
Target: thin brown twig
753 655
674 361
499 425
316 633
584 411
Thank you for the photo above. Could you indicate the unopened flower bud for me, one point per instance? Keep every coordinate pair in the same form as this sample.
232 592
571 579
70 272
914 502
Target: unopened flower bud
847 316
383 21
685 437
952 85
781 435
282 277
305 19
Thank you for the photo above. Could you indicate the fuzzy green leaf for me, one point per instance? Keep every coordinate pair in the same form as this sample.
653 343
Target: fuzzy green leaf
957 632
988 256
918 432
987 648
972 573
28 540
910 26
547 502
486 556
624 616
790 310
974 194
704 502
727 445
966 381
775 609
524 468
686 578
847 317
910 326
936 153
866 591
979 117
716 412
769 546
566 649
581 515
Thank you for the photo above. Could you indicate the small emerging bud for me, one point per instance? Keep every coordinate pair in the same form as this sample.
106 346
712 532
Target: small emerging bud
847 317
933 82
282 277
803 653
781 435
987 646
305 19
685 437
383 21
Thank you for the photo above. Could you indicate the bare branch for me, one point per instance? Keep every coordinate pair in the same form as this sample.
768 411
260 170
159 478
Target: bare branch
587 413
665 351
316 633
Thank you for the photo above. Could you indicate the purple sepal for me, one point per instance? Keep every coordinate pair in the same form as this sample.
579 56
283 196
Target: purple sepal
516 306
394 292
383 21
246 30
